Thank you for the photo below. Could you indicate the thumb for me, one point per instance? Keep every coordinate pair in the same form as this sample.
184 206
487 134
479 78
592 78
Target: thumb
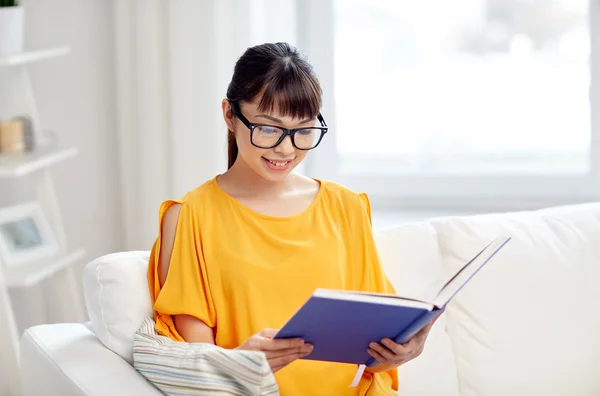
268 333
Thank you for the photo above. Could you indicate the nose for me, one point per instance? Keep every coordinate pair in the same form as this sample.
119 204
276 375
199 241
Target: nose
285 148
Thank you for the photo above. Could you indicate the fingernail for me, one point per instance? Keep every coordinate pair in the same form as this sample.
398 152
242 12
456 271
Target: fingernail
373 345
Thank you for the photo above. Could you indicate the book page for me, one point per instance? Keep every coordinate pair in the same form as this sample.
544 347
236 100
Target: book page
465 274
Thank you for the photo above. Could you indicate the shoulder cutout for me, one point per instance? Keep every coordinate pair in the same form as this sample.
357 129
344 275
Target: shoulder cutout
168 229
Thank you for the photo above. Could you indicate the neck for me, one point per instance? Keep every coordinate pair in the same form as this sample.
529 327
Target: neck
247 181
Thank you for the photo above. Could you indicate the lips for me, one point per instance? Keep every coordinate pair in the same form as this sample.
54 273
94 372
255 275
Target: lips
279 164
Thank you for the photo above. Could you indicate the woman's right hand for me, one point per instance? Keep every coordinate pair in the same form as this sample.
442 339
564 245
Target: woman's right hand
280 352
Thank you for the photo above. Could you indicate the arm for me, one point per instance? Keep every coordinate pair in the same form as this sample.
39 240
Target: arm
189 327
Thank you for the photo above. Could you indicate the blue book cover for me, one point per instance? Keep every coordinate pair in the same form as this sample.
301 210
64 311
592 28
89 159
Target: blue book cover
341 324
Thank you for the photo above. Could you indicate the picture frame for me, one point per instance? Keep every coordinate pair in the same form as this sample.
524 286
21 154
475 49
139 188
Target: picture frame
25 234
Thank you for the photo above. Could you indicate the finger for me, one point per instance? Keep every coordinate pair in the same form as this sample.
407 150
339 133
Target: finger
267 344
416 345
268 333
279 362
397 349
376 355
382 351
302 351
427 328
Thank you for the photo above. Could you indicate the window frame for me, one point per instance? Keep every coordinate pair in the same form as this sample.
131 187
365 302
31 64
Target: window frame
427 190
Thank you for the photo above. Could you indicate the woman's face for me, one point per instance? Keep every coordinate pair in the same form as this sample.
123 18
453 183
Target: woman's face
273 164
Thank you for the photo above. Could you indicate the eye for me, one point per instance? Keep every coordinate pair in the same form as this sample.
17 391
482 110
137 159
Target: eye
269 130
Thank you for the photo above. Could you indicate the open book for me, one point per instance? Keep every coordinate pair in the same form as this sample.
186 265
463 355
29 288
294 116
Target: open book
341 324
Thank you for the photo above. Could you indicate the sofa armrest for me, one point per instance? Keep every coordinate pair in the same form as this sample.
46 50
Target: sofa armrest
68 359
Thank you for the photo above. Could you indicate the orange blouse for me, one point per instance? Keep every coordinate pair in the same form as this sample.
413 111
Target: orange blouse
240 271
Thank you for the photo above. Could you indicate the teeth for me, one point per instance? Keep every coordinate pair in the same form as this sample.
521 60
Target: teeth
279 164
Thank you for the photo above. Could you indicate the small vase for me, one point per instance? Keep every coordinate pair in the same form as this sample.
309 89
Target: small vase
12 29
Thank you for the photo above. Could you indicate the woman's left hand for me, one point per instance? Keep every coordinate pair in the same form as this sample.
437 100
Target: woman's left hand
390 355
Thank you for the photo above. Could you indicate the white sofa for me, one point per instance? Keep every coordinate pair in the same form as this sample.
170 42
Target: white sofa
526 325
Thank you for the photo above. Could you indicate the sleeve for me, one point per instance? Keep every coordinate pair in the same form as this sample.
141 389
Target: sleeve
186 290
373 279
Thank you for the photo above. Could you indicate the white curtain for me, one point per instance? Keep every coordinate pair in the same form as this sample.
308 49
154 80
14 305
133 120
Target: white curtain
174 60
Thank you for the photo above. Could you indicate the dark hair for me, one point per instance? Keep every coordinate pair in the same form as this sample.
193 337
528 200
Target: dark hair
283 76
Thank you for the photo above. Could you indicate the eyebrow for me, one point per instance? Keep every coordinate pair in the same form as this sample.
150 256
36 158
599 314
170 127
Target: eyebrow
274 119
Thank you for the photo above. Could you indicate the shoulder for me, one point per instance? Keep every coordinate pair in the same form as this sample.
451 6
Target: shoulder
205 191
196 196
342 192
349 199
189 204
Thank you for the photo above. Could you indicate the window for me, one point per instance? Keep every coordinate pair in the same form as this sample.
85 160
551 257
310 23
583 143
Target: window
469 98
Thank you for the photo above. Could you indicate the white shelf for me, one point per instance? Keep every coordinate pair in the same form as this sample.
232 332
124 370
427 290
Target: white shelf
20 58
17 165
30 274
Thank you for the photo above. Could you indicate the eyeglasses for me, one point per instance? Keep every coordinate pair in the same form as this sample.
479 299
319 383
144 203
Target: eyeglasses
268 136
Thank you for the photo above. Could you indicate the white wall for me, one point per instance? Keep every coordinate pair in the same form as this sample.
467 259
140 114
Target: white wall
75 97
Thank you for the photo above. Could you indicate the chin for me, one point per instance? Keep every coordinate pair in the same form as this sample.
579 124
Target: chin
274 177
275 174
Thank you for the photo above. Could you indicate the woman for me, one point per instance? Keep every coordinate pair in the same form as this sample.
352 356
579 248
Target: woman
238 255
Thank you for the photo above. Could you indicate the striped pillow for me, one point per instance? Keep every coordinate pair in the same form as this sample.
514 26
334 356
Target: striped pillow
181 368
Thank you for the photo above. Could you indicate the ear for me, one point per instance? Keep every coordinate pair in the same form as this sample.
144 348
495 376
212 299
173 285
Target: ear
228 114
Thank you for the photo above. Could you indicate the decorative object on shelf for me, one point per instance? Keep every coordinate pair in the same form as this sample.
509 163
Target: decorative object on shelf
12 138
16 136
25 234
12 26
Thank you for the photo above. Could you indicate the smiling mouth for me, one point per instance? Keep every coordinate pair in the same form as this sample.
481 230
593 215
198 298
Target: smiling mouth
279 164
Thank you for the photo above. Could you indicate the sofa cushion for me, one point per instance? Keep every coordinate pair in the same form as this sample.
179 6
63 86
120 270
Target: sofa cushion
117 298
526 324
412 261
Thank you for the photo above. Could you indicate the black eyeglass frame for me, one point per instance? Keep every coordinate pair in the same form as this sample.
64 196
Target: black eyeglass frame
286 132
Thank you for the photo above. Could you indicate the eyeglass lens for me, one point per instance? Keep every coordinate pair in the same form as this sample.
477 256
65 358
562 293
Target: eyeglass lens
268 136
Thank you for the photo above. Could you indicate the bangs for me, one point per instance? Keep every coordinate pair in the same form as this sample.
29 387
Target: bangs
292 91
